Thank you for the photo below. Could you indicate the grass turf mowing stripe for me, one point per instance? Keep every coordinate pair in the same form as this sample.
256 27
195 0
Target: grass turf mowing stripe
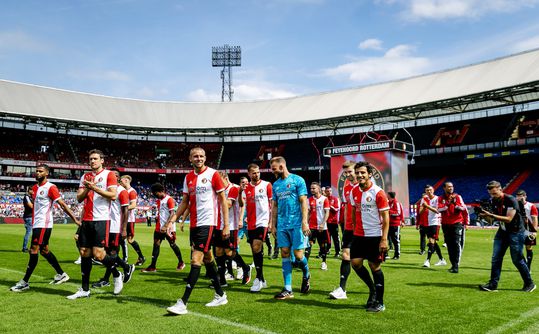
139 300
523 317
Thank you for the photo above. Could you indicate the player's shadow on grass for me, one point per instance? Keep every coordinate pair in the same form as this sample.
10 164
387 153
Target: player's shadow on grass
38 289
307 301
451 285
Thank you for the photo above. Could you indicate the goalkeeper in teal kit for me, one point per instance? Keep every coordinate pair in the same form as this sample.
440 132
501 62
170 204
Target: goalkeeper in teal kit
290 224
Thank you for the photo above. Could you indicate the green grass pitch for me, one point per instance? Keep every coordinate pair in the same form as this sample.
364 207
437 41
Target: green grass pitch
418 300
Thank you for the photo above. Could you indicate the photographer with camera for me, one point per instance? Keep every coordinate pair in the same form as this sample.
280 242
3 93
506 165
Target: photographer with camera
530 224
510 234
454 218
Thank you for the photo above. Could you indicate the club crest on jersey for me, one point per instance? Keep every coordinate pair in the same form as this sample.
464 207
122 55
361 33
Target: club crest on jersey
42 192
368 199
100 179
261 190
204 180
288 185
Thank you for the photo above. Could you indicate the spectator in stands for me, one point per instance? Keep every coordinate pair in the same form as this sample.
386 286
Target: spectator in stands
510 235
396 220
28 203
454 216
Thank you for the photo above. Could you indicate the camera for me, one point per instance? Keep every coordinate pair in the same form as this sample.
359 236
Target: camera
482 205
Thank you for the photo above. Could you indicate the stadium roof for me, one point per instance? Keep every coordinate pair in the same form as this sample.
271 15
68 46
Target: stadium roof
500 82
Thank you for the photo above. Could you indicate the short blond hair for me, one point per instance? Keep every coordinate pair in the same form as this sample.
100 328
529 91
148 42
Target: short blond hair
348 164
278 159
127 177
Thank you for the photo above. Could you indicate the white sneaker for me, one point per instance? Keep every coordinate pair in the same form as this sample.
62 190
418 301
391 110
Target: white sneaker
426 264
118 284
338 293
178 308
218 300
79 294
20 286
77 261
234 265
229 277
239 274
258 285
324 266
60 278
441 263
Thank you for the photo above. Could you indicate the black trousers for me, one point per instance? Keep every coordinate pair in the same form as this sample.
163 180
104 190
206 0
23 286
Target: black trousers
453 237
394 236
422 238
333 230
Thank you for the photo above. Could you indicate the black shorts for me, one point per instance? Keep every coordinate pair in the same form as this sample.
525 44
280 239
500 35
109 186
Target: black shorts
130 229
157 235
94 233
432 231
114 240
367 248
322 237
258 233
41 236
347 237
218 240
201 238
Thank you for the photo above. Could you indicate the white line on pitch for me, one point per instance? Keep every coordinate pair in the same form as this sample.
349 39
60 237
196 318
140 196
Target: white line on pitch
143 301
523 317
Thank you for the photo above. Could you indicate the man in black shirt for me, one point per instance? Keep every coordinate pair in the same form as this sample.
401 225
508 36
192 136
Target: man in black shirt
509 235
28 203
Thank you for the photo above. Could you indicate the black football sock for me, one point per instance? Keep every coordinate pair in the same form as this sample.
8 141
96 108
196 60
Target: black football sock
32 263
155 255
438 251
379 283
177 251
229 265
53 262
240 262
363 273
529 257
258 259
108 271
136 247
86 269
345 272
221 267
123 245
192 279
430 251
212 274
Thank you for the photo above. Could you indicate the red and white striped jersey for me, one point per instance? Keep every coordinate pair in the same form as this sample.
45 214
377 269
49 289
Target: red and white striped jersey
334 207
231 193
396 213
132 198
202 190
257 199
164 206
317 211
369 204
116 209
44 197
433 218
347 190
97 207
531 211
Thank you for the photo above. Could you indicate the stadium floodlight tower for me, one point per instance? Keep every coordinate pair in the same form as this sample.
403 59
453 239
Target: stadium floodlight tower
226 56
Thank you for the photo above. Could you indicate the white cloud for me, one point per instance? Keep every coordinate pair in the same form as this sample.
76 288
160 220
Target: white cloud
371 44
244 91
526 44
18 40
397 63
450 9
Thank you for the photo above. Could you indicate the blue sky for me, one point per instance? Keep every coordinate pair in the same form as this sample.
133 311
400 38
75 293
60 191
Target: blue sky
161 50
